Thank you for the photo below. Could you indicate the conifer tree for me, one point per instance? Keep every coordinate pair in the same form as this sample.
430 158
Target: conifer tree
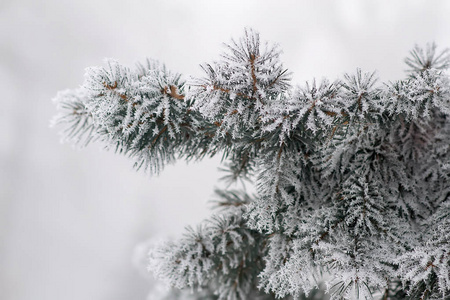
352 175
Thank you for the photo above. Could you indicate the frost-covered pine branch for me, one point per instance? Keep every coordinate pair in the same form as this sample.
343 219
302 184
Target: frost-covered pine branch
352 175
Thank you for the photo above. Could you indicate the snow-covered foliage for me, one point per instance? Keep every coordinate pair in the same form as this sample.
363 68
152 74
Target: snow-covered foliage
237 90
352 175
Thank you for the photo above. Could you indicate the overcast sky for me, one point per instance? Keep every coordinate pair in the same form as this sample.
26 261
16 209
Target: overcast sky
70 219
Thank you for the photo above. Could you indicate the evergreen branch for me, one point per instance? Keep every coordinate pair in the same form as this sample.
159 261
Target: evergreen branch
352 178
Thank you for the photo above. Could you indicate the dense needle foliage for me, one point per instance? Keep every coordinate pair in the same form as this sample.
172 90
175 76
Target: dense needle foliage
352 176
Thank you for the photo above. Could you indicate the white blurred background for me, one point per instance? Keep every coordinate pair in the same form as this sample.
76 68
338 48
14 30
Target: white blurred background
70 219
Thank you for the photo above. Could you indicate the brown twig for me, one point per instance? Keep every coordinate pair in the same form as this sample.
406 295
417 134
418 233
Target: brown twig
158 136
171 91
360 102
112 88
252 64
